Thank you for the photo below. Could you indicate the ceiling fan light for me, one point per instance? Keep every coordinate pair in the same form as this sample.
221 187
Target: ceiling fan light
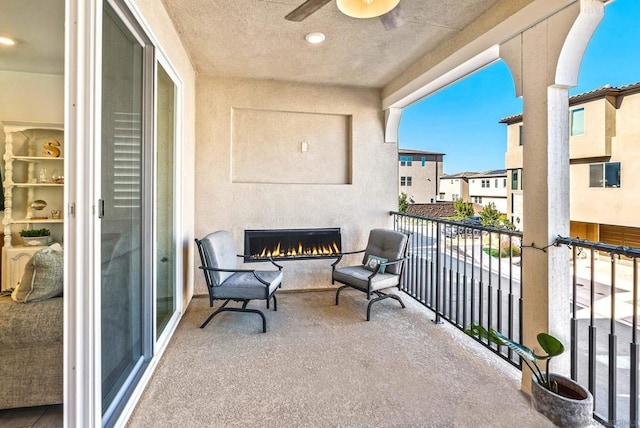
7 41
366 8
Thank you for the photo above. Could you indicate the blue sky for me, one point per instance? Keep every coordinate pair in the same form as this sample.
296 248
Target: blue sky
462 120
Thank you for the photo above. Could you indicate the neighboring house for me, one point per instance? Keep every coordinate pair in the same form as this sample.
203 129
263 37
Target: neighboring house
489 187
455 186
418 174
604 152
481 188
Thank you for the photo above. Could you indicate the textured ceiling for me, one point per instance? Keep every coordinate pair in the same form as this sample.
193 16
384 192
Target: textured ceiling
38 28
251 39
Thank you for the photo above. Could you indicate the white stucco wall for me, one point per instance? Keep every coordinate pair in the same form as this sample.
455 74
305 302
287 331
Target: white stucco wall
355 207
454 186
31 97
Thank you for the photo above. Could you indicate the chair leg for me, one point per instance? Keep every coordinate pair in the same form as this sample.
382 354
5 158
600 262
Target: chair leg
242 309
275 302
382 296
338 293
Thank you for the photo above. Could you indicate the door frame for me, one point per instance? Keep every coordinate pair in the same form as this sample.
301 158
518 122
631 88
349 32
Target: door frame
82 107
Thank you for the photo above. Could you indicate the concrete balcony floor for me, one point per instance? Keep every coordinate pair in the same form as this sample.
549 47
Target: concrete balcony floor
321 365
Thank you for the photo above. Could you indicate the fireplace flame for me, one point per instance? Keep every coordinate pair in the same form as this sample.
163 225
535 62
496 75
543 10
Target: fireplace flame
299 251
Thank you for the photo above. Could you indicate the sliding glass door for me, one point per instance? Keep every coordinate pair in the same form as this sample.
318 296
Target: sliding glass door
139 295
125 294
165 254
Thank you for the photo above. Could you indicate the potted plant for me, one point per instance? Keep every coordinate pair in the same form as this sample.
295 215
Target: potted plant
565 402
33 237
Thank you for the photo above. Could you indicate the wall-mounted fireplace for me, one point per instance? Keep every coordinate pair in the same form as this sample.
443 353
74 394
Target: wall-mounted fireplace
288 244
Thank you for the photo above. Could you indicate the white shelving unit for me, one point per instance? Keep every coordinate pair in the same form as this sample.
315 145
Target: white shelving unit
24 158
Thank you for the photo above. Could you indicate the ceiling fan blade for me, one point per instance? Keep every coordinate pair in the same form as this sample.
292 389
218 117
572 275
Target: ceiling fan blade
305 9
394 18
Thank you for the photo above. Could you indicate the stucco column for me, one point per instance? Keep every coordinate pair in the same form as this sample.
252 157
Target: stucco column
544 61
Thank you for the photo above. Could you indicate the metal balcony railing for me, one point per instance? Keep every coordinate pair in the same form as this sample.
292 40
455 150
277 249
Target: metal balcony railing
468 274
604 327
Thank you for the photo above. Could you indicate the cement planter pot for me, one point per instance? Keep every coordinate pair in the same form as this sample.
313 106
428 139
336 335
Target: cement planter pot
576 411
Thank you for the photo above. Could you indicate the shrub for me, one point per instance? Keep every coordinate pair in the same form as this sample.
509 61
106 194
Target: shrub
30 233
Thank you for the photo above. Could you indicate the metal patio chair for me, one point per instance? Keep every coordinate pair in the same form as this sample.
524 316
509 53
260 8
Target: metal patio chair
381 268
226 282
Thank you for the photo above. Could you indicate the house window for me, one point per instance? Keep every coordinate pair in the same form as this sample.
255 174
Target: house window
424 160
504 182
520 135
577 121
409 181
496 183
403 181
403 161
514 179
604 175
455 197
441 196
477 199
409 160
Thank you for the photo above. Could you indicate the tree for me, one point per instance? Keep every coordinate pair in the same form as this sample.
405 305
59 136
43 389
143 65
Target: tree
464 210
491 216
403 203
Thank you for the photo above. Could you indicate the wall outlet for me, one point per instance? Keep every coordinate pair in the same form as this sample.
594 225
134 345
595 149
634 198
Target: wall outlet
304 146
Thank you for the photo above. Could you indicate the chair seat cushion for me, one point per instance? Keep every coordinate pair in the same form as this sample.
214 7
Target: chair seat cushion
244 285
358 277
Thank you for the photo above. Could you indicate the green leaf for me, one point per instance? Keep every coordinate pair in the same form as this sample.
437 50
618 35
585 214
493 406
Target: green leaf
500 339
519 349
552 346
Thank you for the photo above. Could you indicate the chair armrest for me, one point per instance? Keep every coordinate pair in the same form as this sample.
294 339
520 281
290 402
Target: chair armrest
394 262
226 270
269 258
333 265
253 271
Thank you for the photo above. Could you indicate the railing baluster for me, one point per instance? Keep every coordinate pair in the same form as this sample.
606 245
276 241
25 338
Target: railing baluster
510 301
592 327
457 312
574 319
634 357
438 246
613 342
473 283
499 289
489 286
434 238
481 292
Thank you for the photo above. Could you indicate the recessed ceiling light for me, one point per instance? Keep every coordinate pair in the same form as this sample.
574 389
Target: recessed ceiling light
7 41
315 38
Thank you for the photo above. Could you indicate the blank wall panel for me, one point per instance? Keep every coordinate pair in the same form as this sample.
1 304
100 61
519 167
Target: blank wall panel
290 147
